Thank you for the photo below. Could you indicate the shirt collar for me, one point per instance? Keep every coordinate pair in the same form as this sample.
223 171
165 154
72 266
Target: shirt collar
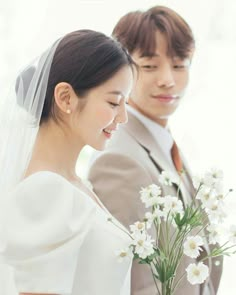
161 134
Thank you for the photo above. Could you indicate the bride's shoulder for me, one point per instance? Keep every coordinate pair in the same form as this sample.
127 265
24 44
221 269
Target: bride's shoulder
46 192
44 180
41 185
43 211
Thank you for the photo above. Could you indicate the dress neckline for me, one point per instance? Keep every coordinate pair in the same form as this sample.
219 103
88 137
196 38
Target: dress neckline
94 199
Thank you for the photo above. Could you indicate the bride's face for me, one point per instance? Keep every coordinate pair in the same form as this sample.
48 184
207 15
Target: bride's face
103 110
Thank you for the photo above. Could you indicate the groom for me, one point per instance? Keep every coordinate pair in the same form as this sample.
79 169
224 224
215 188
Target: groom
162 45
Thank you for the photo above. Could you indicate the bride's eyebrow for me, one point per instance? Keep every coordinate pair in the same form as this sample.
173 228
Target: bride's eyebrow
116 92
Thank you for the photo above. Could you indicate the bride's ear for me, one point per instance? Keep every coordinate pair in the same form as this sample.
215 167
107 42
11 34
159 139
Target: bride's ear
65 97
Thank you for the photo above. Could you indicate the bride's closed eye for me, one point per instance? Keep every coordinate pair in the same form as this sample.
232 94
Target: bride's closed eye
113 104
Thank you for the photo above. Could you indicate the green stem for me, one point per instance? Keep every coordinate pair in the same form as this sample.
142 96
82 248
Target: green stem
159 293
178 282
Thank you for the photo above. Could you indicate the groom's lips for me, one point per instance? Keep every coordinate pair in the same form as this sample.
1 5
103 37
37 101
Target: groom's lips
165 98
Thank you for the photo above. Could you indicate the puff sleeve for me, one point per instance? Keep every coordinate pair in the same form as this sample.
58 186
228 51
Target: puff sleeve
45 221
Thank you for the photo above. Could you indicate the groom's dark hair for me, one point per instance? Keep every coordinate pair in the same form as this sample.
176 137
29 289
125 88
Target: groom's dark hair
136 31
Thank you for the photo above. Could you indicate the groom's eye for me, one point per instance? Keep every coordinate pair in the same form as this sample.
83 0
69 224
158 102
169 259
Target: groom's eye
149 67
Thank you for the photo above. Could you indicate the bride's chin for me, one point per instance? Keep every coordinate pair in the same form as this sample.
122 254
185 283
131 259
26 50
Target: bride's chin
98 146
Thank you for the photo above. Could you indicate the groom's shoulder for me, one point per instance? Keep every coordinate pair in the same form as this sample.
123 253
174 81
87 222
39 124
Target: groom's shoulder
122 142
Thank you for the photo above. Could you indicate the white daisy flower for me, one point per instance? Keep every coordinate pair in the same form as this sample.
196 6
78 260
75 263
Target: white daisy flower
215 233
206 196
220 197
215 212
172 206
150 194
192 246
149 217
137 227
197 273
166 178
124 254
159 213
213 178
143 245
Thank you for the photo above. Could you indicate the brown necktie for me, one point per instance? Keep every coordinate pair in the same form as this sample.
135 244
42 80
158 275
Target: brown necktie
176 158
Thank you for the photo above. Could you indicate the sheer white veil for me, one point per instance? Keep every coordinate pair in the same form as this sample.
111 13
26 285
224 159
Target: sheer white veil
20 114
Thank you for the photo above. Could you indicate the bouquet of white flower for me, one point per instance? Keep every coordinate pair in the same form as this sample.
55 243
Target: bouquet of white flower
181 230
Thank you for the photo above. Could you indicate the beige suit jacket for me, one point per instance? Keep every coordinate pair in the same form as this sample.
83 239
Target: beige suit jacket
134 160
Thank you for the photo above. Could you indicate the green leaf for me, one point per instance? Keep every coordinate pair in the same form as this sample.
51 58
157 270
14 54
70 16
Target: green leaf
149 258
192 217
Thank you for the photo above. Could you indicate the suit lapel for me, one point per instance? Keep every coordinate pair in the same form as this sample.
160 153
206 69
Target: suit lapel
142 135
144 138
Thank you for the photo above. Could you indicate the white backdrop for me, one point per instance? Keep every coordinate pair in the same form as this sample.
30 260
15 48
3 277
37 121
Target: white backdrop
204 124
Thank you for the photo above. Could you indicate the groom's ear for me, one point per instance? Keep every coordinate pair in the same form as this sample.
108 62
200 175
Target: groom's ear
65 98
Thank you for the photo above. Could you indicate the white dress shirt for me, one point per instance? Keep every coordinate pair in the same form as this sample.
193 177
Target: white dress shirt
161 134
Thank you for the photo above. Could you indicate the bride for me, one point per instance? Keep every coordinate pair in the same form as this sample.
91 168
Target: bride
55 232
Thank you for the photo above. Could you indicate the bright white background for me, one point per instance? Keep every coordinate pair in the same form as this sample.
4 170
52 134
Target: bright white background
203 126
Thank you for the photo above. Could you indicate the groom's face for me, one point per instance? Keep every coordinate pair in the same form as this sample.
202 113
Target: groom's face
160 82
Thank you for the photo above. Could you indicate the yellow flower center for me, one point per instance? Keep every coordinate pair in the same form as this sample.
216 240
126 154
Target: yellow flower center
196 272
140 242
123 254
192 245
140 225
214 207
207 196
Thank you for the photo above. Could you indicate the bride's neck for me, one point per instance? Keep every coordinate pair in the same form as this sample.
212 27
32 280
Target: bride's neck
55 151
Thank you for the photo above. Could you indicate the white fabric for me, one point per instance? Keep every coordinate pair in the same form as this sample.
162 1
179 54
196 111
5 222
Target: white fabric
161 135
60 241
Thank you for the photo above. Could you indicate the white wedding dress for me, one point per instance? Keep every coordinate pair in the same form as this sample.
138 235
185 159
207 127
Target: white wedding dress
60 241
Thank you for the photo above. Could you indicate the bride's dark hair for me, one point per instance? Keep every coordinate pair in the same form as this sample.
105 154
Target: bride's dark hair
84 59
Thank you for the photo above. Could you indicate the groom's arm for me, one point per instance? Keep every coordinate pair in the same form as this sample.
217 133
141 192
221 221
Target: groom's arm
117 180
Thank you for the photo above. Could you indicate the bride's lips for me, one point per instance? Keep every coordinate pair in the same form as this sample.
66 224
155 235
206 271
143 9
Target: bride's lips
108 135
165 98
109 132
